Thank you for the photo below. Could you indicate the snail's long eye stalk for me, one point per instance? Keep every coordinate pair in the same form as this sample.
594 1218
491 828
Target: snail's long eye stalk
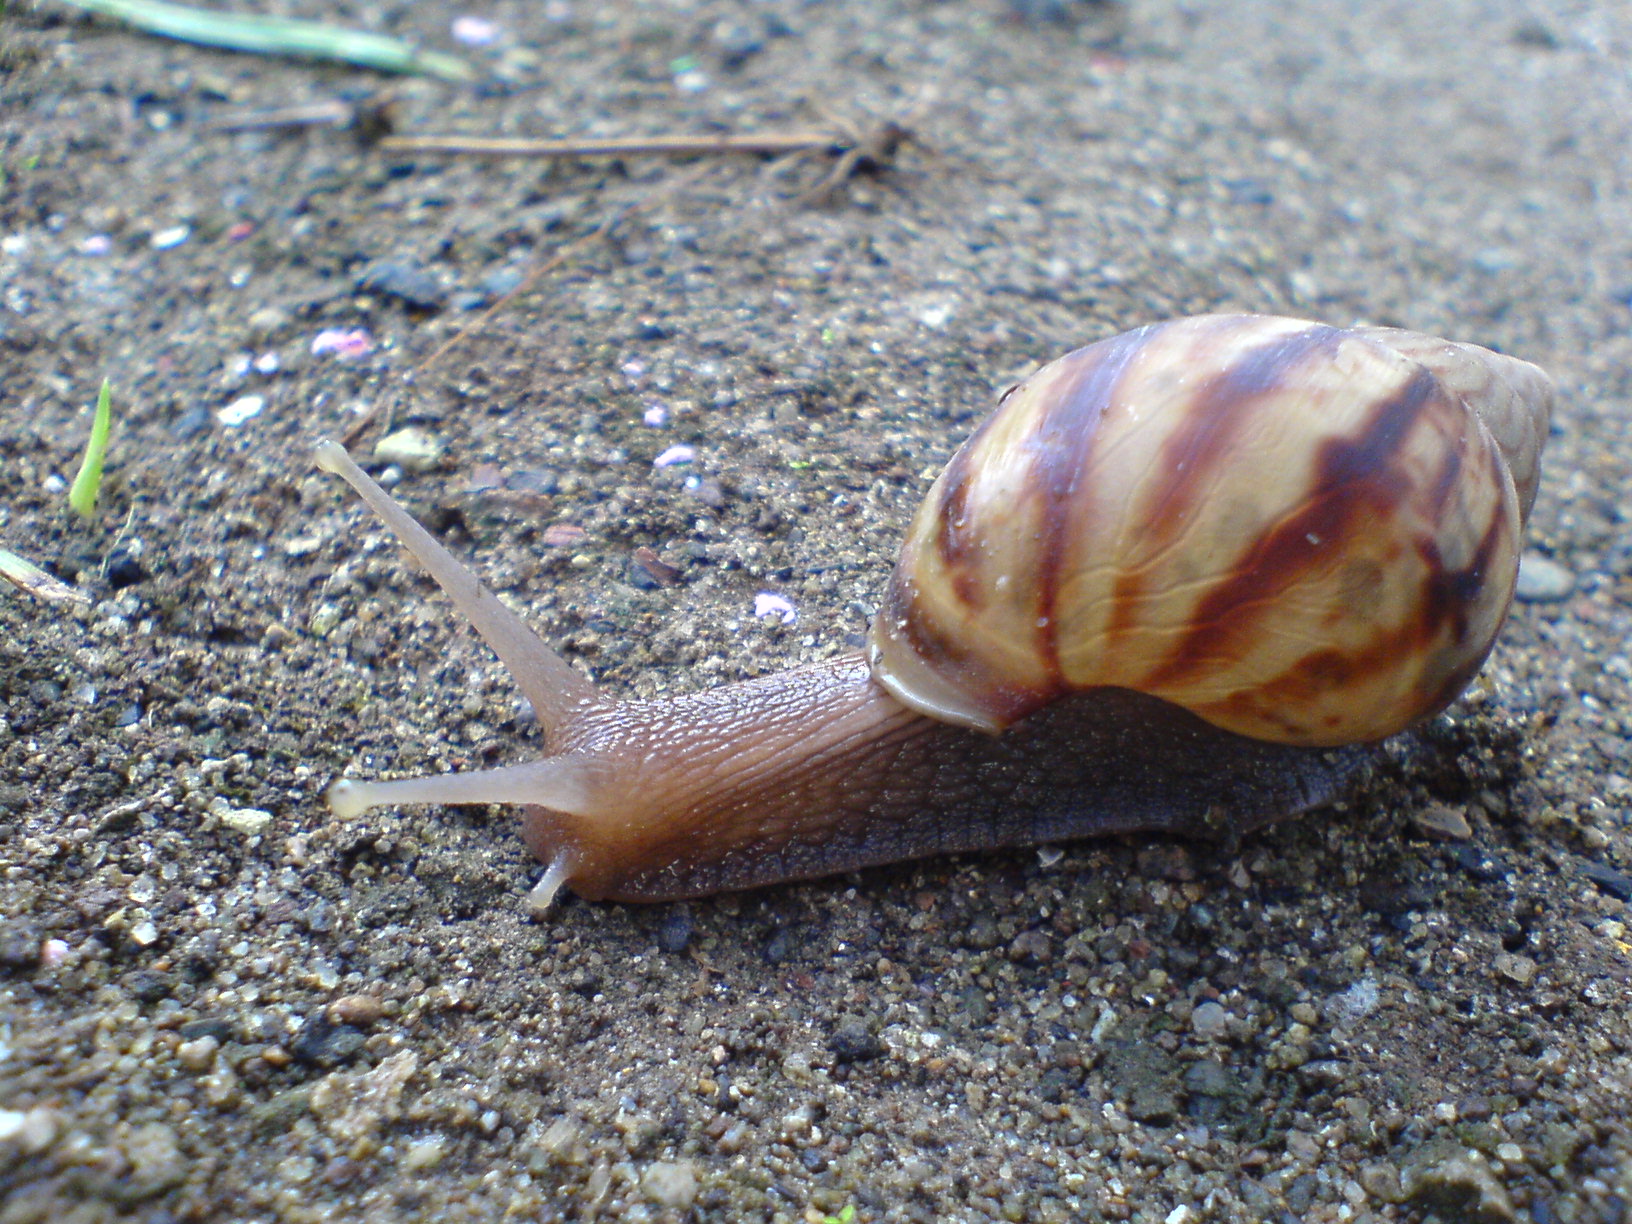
544 676
562 783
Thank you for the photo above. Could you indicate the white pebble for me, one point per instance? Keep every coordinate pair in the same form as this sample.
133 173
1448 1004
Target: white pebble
424 1153
344 343
671 1184
1543 580
1209 1020
413 450
198 1055
248 821
241 409
768 603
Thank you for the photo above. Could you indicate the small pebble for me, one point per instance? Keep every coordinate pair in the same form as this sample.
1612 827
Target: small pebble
675 454
473 31
564 535
191 423
768 603
1520 970
248 821
324 1044
356 1009
425 1153
266 321
670 1184
413 450
20 946
413 286
1209 1021
1543 580
1615 883
852 1042
241 409
198 1055
1443 822
675 932
31 1130
1442 1174
344 343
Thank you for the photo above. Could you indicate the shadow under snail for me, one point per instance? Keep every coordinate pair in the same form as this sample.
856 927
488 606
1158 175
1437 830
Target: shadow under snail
1182 580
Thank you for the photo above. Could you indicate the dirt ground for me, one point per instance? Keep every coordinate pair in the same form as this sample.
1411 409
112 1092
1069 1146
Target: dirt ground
218 1002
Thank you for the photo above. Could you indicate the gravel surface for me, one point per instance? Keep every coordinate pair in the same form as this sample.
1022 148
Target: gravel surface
216 1002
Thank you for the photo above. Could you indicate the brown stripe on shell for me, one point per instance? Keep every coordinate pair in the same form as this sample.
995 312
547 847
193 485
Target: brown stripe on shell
1218 412
1447 595
1451 592
1448 592
1356 480
1065 432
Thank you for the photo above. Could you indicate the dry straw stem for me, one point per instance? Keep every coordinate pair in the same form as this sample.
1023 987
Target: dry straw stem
27 576
670 146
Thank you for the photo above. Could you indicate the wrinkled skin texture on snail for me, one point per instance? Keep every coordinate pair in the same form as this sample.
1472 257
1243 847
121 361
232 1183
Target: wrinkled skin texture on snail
1182 580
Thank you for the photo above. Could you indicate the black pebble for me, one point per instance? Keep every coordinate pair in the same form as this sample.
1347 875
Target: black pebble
675 932
148 986
1615 883
123 568
1392 893
413 286
778 947
19 946
852 1042
212 1027
190 424
1479 863
324 1044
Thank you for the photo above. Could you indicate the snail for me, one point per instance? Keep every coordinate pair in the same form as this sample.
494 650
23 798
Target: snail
1184 579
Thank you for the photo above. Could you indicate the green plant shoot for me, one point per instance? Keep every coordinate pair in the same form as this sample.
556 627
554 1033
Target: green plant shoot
82 495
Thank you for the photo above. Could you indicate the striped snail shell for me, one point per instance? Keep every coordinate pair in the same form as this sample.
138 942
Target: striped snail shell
1302 534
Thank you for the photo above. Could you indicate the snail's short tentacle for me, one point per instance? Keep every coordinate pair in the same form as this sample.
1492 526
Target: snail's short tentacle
564 783
547 679
542 895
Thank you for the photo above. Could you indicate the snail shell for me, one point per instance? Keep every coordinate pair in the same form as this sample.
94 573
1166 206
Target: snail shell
1302 534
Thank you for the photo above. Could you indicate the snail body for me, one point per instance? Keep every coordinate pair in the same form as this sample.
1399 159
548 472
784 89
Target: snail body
1181 580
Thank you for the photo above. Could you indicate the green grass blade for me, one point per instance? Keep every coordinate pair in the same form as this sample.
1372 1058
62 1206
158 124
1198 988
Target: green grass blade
278 36
82 495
